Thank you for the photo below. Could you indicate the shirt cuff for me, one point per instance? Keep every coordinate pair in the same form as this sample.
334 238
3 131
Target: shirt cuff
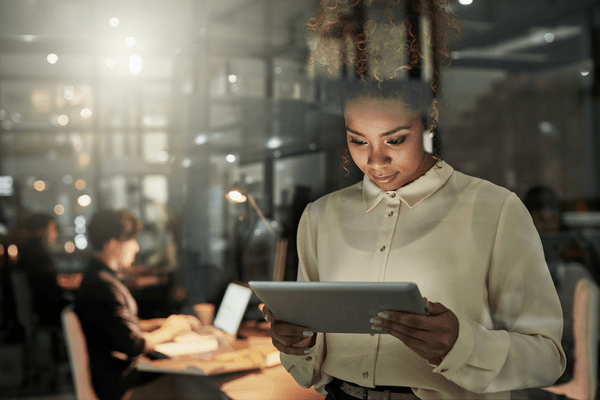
458 355
305 368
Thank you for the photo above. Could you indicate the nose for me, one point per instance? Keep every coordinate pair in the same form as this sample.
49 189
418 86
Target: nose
137 245
378 158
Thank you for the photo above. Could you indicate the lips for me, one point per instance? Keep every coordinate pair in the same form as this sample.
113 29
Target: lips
383 178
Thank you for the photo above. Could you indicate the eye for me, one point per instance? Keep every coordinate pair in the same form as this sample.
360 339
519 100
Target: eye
396 141
357 142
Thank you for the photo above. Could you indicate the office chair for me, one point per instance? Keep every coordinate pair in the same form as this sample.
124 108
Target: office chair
583 385
35 362
78 355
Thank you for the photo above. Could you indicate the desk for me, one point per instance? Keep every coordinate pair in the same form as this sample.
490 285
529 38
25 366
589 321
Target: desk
269 383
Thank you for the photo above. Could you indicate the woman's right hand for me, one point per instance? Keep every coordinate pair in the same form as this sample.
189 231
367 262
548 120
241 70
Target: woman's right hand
288 338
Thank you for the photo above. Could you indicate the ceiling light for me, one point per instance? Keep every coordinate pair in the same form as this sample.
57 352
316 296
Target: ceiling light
201 139
465 2
274 143
230 158
84 200
52 58
114 22
135 64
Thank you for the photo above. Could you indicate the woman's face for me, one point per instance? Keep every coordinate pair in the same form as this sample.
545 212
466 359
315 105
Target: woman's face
385 140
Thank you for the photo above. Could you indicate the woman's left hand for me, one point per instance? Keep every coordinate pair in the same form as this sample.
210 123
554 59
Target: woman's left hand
430 336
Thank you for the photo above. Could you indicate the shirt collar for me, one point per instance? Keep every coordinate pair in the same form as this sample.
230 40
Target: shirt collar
413 193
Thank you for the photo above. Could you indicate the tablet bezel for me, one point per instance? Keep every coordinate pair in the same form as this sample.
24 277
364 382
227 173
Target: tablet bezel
337 307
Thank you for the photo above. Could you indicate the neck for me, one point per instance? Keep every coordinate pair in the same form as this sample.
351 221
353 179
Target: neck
106 258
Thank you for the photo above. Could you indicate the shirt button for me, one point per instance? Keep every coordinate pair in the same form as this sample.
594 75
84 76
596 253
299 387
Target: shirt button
392 195
308 358
390 213
365 374
382 248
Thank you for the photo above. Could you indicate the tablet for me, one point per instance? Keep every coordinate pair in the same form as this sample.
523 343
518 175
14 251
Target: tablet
337 307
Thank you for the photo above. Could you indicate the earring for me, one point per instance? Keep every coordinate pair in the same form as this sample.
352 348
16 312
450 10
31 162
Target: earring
431 134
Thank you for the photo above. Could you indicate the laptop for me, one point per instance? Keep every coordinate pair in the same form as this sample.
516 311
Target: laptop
227 321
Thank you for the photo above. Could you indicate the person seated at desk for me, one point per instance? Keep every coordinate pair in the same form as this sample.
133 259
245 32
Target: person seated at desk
34 242
115 336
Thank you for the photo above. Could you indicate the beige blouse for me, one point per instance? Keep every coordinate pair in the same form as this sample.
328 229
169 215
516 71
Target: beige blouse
468 244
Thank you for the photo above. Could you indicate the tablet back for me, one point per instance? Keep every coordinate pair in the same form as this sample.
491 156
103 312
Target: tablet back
341 307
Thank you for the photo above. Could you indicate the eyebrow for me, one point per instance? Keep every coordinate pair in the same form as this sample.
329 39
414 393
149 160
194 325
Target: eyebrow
388 133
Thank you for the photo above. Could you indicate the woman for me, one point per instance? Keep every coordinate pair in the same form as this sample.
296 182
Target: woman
494 322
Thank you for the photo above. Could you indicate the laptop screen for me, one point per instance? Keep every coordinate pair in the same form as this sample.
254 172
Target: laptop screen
232 308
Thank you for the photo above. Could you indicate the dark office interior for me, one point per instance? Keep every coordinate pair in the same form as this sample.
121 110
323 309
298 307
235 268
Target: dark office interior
164 107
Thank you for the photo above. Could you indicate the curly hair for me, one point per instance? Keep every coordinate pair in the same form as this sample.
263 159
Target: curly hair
384 41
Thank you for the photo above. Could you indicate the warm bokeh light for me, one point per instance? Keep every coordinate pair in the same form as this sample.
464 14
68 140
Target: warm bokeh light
59 209
236 196
40 99
84 200
13 252
130 41
232 78
230 158
85 113
80 184
52 58
69 93
39 185
62 120
67 179
114 22
69 247
84 159
77 142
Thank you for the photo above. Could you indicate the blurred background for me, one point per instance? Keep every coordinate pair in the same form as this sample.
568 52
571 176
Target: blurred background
162 107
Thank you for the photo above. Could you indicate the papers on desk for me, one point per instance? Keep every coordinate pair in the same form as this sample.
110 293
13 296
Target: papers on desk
188 343
247 359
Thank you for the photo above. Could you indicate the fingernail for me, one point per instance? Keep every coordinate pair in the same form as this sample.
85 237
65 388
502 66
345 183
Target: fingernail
375 321
377 327
307 351
307 333
383 315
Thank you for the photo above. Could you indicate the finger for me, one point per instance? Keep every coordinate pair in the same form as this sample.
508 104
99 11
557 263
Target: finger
411 320
293 350
285 330
436 308
266 313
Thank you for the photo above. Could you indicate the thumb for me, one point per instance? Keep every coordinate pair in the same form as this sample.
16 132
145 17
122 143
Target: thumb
436 308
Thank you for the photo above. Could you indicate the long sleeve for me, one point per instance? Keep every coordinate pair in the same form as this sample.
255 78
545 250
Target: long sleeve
306 370
523 350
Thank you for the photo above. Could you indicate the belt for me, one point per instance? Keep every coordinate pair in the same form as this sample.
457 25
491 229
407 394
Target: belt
371 394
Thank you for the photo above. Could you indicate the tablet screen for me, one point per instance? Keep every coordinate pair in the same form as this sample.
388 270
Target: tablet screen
341 307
